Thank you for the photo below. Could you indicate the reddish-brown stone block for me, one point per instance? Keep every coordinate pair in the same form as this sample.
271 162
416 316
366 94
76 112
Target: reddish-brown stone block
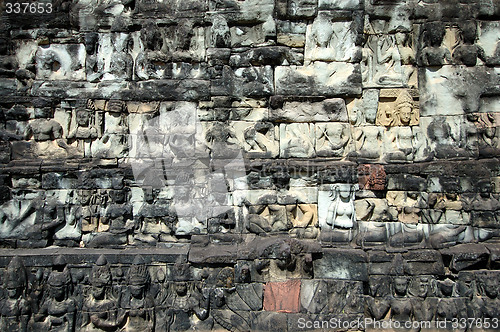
282 296
371 177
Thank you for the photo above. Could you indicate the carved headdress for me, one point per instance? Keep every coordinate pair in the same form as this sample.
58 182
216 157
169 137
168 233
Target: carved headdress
138 274
15 274
101 273
404 99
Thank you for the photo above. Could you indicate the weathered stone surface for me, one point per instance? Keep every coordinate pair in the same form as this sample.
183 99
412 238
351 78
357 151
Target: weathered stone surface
318 79
282 296
172 165
345 264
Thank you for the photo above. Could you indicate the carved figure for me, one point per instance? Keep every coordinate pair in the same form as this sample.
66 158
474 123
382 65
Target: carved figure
14 308
404 112
137 302
467 52
100 311
57 313
434 54
332 139
341 212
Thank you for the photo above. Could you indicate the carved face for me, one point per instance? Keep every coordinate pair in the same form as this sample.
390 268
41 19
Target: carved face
98 292
136 290
82 118
423 287
181 288
490 288
405 114
84 197
57 292
400 286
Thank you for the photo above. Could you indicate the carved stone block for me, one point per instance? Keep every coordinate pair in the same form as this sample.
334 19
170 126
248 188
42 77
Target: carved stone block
332 139
327 40
61 62
282 296
403 111
297 140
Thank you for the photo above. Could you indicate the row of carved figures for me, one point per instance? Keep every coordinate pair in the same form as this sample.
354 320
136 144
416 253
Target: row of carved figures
66 302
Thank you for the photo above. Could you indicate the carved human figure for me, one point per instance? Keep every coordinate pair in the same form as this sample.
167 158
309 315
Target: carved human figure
489 302
137 302
94 68
118 215
184 300
220 34
58 311
468 52
46 134
267 218
88 211
100 310
332 139
399 146
304 218
296 140
116 221
401 308
368 140
434 54
85 131
113 143
449 306
440 132
153 218
341 212
151 62
388 60
423 303
15 308
259 140
190 212
121 64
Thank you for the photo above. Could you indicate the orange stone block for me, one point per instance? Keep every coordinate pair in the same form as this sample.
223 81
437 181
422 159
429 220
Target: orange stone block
282 296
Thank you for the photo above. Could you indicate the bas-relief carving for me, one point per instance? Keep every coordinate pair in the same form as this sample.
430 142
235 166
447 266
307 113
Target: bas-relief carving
100 310
328 40
113 142
368 143
259 140
332 139
15 309
304 218
404 111
297 140
58 311
136 300
61 62
336 206
267 218
445 136
388 60
46 136
434 52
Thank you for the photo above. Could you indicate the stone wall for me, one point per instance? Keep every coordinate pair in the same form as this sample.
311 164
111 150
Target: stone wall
248 165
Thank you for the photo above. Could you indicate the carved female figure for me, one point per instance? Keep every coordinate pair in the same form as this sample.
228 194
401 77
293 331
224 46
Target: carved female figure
14 309
137 303
57 313
341 209
100 312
